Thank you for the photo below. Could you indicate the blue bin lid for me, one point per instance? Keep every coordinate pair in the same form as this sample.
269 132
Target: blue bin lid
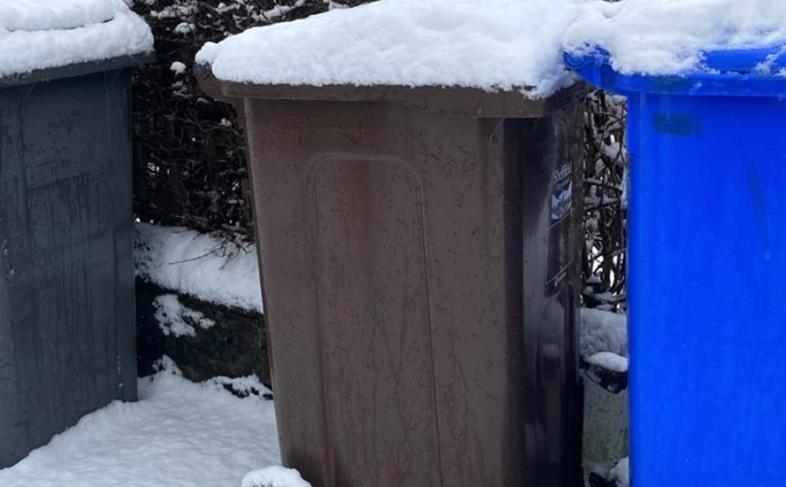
734 72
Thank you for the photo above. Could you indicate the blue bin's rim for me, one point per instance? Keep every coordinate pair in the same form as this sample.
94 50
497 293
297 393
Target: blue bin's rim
728 73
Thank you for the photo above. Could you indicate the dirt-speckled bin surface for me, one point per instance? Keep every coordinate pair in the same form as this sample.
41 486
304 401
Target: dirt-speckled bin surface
67 328
419 252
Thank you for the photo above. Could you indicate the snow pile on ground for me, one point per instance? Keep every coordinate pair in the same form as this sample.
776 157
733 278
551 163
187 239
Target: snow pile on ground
669 36
180 434
174 318
40 34
274 476
206 267
603 331
494 44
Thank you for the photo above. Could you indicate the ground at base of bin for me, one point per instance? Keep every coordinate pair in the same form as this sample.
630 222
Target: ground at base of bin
183 434
180 434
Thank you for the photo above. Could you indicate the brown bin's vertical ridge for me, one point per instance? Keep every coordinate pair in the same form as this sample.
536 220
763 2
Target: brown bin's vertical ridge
417 251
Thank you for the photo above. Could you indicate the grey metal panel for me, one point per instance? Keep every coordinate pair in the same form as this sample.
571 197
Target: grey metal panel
66 280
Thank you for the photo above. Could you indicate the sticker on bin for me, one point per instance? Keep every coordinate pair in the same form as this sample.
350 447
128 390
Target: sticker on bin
562 194
561 251
562 201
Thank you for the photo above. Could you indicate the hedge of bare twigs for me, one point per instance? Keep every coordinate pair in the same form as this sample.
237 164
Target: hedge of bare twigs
605 201
190 161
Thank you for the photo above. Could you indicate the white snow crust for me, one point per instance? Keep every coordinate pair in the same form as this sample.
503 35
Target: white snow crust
40 34
177 67
221 272
661 37
54 14
274 476
175 318
180 434
609 361
621 473
494 44
603 331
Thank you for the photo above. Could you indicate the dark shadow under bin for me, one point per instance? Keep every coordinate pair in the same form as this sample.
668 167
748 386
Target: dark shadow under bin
67 327
420 257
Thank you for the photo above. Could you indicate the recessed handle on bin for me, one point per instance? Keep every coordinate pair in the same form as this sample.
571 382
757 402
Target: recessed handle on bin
577 62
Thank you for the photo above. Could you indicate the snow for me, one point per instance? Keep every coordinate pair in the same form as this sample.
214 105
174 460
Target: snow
274 476
662 37
609 361
493 45
621 473
180 434
54 14
176 319
184 28
40 34
177 67
281 10
603 331
204 266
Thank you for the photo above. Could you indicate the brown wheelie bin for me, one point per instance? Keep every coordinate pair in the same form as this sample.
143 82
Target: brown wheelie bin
419 251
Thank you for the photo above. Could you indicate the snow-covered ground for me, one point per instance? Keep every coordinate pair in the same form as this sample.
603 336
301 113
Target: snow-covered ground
180 434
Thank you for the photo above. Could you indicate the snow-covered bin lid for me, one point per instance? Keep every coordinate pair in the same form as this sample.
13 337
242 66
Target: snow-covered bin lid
675 37
688 47
491 45
43 34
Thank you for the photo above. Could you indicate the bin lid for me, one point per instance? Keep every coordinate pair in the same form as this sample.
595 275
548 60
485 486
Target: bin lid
732 72
46 39
707 47
501 46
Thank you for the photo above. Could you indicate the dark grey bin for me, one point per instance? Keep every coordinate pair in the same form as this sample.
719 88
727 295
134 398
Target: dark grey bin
67 325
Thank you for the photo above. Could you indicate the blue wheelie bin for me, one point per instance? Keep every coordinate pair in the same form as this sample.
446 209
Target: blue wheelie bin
707 276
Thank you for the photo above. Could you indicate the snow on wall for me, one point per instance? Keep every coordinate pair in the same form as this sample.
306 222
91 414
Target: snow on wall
189 262
494 44
609 361
603 331
669 36
621 473
40 34
174 318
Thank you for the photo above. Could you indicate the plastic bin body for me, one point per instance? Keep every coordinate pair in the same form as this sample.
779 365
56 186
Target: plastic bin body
421 284
707 277
67 327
